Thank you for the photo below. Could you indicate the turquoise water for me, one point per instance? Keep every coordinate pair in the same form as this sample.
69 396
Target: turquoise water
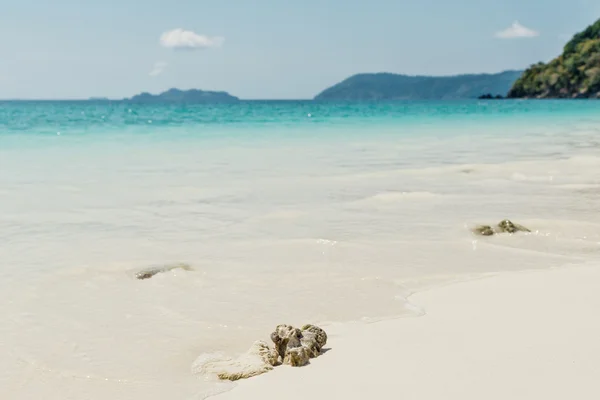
284 217
90 117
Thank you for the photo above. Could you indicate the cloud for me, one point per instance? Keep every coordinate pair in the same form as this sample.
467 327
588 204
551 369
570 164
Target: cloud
158 69
516 30
182 39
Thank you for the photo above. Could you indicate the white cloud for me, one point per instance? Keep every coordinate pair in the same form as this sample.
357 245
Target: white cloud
516 30
158 68
182 39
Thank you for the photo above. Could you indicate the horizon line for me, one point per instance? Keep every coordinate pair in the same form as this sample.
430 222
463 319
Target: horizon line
105 99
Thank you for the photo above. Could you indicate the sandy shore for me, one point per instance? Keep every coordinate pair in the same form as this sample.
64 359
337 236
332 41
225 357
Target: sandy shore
528 335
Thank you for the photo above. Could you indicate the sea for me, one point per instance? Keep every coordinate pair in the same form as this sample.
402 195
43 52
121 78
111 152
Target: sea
285 211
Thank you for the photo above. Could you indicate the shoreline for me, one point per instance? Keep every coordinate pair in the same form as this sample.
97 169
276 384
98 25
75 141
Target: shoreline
529 334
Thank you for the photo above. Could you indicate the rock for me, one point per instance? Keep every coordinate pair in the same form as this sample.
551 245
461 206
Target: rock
286 337
267 354
297 356
319 333
147 273
484 230
295 347
504 226
488 96
258 360
510 227
313 338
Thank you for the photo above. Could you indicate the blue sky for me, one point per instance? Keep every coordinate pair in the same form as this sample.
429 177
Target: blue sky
266 48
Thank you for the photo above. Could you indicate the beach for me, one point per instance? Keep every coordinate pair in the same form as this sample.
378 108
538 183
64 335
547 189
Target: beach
522 335
358 219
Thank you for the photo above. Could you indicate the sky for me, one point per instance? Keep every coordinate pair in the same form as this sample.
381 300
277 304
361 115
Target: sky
267 49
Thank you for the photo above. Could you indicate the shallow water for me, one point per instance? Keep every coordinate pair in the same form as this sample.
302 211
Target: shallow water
283 218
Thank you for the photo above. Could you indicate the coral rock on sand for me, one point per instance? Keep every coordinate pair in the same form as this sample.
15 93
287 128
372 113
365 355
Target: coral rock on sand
297 356
313 338
295 347
147 273
258 360
508 226
484 230
504 226
267 354
286 337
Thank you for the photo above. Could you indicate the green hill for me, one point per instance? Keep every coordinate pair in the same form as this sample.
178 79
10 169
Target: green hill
387 86
573 74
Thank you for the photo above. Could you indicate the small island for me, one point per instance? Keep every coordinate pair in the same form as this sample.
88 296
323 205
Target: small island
193 96
573 74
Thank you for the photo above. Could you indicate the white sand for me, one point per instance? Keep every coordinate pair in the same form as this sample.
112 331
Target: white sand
528 335
274 236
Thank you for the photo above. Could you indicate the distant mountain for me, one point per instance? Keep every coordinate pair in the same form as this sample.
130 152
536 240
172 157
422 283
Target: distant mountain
184 96
573 74
387 86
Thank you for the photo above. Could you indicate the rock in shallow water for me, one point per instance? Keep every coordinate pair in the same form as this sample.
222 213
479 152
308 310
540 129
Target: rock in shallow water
147 273
510 227
504 226
483 230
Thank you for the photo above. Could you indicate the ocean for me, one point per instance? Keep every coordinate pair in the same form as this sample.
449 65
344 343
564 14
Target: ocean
286 211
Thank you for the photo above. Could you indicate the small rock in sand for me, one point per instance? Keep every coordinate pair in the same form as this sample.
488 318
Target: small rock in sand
147 273
504 226
510 227
483 230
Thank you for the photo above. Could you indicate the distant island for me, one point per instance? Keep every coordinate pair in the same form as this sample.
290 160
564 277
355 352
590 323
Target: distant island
192 96
388 86
573 74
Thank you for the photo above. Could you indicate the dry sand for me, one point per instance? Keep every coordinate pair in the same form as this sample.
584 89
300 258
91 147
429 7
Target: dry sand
526 335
